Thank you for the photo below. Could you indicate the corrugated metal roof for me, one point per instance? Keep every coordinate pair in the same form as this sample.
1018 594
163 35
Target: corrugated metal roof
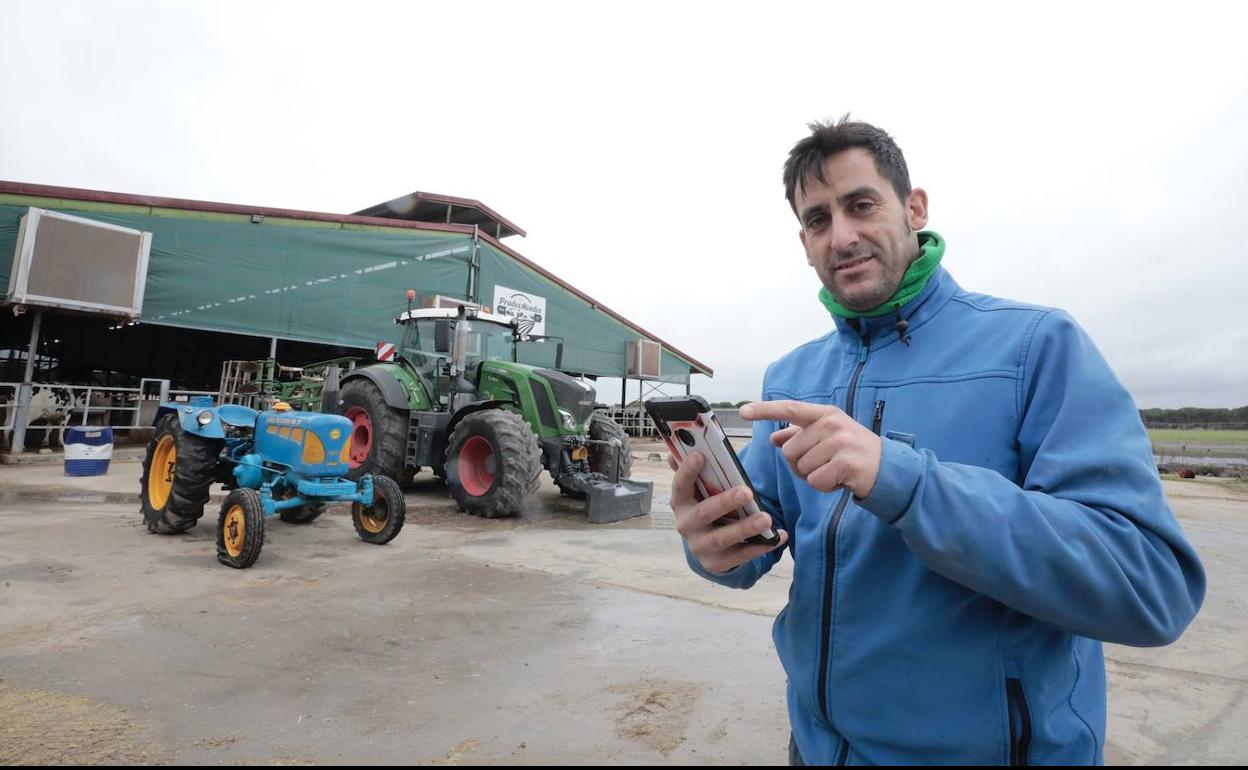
444 209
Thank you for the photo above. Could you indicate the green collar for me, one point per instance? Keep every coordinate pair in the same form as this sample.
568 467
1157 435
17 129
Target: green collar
931 249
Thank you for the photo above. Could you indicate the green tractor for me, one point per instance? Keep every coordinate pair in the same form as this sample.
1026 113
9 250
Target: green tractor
455 399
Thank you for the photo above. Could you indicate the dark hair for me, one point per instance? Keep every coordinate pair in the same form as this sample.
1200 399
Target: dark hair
827 139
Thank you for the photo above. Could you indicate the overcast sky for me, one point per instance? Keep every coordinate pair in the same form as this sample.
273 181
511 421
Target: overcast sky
1083 155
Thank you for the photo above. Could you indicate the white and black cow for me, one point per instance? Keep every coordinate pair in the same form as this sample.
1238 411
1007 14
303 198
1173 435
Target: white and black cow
52 407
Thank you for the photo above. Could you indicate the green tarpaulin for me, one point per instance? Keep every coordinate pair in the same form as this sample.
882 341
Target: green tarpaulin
330 282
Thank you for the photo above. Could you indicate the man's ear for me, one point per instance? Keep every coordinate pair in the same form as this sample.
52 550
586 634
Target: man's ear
916 208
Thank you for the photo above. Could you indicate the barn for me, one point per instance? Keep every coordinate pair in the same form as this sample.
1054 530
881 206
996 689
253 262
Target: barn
228 282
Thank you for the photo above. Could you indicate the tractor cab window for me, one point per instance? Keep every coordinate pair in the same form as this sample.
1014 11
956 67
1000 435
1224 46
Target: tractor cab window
419 350
488 342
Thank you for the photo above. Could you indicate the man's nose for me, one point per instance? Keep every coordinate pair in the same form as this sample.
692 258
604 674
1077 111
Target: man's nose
844 235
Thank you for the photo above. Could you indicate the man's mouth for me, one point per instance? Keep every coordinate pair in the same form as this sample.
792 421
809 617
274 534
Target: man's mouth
851 263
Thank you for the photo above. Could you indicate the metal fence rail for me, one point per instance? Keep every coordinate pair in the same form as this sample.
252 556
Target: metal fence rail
60 407
633 420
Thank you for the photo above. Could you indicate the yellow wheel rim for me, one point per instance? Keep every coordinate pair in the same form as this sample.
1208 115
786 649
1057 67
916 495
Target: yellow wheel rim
160 474
234 532
374 519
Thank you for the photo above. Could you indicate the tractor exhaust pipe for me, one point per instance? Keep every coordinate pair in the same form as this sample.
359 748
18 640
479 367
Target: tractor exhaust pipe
330 391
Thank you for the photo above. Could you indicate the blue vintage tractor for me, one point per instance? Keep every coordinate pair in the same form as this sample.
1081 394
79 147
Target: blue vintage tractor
277 462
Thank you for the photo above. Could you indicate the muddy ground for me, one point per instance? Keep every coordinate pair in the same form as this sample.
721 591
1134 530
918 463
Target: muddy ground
465 641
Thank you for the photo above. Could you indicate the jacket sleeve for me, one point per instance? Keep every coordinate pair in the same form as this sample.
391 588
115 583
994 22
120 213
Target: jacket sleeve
759 461
1087 542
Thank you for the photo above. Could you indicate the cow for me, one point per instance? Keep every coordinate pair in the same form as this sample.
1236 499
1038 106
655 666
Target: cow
52 407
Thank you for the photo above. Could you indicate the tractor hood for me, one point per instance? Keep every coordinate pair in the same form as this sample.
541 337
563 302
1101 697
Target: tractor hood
570 393
551 392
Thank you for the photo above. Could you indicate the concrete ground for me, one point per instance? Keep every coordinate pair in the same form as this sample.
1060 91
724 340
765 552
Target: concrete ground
465 641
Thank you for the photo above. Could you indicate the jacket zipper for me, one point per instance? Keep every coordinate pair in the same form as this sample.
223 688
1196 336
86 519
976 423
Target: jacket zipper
877 419
1020 731
830 571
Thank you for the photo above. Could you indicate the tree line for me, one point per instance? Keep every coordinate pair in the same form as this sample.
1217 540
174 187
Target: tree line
1192 415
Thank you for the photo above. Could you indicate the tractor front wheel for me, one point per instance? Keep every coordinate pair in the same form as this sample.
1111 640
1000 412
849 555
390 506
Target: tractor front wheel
240 529
493 463
603 428
380 522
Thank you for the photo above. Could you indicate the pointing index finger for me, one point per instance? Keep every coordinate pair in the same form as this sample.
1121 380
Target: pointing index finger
797 413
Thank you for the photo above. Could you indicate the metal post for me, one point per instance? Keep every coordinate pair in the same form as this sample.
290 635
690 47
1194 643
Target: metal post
687 391
623 392
474 266
273 348
86 407
21 415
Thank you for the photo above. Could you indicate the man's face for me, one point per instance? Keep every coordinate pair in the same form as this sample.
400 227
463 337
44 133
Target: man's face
858 236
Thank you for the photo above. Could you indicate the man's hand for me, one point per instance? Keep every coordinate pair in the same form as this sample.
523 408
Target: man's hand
717 547
822 444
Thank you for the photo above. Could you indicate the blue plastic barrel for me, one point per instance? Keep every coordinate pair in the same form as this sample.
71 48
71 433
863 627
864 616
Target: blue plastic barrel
88 450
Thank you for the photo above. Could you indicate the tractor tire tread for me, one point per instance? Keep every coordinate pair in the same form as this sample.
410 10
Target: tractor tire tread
518 455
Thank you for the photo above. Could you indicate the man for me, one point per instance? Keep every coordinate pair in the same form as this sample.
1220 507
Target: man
966 489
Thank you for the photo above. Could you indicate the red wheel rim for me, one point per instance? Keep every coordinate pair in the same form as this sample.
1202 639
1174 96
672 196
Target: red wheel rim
476 466
361 436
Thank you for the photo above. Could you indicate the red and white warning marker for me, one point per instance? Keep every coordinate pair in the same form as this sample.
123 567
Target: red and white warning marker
385 351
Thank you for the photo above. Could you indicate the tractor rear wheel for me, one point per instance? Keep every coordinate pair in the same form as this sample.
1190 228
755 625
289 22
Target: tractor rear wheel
304 514
178 471
493 463
240 529
378 432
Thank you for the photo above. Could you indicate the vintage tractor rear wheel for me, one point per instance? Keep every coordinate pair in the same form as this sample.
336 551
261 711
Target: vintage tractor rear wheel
301 515
493 463
380 522
378 432
304 514
240 529
178 470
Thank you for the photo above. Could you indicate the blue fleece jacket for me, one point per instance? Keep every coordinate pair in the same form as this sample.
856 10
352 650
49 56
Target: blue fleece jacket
955 615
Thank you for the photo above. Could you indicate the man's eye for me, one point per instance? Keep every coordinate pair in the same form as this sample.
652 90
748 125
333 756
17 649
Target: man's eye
862 207
814 223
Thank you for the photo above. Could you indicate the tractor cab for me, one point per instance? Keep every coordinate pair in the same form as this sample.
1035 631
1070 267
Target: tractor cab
446 348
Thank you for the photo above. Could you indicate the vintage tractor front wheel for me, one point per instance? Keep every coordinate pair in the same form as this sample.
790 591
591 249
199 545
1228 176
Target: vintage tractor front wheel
380 522
493 463
240 529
